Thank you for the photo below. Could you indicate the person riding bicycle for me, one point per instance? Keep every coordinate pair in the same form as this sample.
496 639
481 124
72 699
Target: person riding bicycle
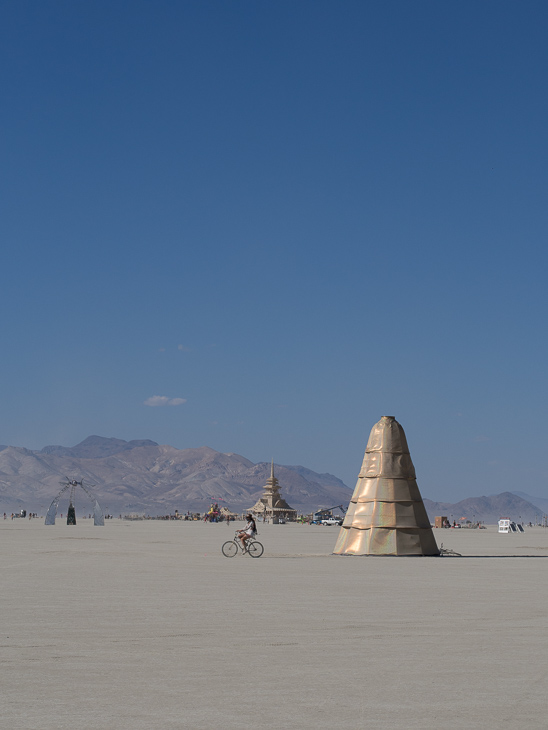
250 530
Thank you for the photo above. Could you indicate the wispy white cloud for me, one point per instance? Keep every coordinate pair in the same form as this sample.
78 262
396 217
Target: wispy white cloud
481 439
163 400
184 348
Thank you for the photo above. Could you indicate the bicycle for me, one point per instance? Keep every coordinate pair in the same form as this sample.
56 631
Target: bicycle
448 551
252 547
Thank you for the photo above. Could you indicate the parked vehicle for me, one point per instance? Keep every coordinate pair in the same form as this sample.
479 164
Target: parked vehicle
332 521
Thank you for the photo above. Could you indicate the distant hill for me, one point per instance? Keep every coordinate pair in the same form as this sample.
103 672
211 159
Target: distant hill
487 509
142 476
540 502
96 447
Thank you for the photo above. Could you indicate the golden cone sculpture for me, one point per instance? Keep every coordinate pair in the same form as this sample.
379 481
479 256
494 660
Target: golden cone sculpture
386 515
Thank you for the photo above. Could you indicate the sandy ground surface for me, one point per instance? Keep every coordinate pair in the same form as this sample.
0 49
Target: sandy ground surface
146 625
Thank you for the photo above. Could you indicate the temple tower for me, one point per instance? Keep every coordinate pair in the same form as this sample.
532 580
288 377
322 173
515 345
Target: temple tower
386 515
271 504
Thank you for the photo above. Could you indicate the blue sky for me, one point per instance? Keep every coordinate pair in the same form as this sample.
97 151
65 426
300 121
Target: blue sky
295 217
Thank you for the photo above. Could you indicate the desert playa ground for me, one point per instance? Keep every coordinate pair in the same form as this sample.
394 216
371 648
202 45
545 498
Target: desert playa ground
146 625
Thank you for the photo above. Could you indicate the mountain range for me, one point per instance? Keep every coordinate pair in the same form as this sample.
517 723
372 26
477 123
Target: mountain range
487 509
143 476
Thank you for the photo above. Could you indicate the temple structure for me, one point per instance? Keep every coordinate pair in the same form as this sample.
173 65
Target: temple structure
271 505
386 515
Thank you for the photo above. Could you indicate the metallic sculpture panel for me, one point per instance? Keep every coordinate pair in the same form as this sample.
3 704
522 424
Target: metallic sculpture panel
386 515
393 466
385 541
52 512
387 436
399 490
98 516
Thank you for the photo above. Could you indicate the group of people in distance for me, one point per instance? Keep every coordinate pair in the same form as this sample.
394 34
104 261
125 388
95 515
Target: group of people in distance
214 514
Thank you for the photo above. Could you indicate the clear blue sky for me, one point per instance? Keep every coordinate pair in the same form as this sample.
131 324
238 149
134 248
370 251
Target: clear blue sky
295 216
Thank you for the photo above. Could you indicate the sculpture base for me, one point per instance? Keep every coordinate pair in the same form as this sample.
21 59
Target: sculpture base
414 541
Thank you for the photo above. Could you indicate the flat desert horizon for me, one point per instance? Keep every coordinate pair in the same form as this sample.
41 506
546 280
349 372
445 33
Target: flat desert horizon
140 625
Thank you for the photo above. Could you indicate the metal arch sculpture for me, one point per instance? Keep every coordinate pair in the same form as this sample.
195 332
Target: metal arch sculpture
98 516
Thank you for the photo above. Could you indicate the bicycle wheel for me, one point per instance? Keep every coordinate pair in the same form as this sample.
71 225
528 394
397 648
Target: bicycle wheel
230 549
255 549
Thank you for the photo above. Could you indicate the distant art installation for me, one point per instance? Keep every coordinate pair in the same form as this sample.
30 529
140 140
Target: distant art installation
386 515
98 516
272 505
